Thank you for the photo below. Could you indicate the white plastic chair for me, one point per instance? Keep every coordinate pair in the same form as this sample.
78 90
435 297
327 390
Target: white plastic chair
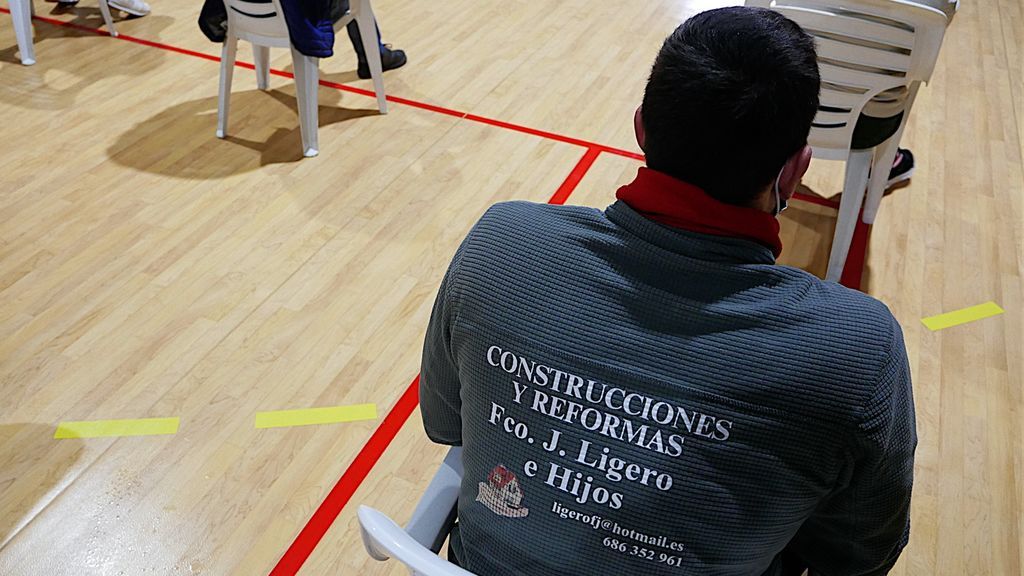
262 24
22 12
417 546
865 47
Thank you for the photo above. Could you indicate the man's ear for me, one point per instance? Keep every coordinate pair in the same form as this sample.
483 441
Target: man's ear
638 127
793 171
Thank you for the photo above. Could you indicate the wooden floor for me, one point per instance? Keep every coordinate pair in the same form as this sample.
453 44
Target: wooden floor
148 269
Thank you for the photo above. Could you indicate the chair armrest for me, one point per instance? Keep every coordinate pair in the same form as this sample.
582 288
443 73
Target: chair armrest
384 539
436 511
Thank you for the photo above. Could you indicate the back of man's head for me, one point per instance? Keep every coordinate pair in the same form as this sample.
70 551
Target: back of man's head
731 97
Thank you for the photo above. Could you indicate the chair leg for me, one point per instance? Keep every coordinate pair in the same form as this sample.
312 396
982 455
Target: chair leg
21 13
307 81
371 46
261 58
227 72
857 166
880 167
885 158
107 18
885 155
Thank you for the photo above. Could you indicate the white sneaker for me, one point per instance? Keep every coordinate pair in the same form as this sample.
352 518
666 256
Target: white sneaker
133 7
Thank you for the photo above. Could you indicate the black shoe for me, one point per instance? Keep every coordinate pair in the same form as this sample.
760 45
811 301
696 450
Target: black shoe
902 167
389 60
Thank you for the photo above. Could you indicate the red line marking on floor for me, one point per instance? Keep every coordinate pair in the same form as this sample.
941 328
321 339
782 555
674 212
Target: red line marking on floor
338 497
553 136
571 181
397 100
126 38
355 90
853 271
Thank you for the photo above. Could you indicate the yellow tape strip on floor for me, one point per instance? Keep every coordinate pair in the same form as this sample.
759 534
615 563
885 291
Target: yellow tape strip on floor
107 428
963 316
309 416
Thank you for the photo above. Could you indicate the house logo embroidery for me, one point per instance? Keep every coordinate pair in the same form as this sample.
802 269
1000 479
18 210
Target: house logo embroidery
501 493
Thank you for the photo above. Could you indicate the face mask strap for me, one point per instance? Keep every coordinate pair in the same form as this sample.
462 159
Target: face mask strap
780 203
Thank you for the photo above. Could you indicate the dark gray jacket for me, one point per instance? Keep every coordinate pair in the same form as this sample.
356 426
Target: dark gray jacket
638 399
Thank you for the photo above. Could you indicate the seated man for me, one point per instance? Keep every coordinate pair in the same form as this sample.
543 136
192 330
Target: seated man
643 390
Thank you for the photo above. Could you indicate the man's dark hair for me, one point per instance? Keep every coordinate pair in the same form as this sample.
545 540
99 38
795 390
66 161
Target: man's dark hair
730 98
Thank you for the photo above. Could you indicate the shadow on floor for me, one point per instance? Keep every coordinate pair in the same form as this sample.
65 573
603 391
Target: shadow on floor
263 129
63 69
341 77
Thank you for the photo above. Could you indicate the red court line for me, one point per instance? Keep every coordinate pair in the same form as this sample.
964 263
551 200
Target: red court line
343 87
853 271
126 38
553 136
570 183
397 100
347 485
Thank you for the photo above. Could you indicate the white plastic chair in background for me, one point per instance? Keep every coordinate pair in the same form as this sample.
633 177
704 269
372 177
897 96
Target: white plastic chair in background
22 12
865 47
417 546
21 15
262 24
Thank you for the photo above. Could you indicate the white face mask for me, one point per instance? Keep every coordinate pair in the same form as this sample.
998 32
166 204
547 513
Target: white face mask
780 203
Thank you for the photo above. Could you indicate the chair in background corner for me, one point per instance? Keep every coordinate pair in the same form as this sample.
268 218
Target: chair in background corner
262 24
22 12
865 47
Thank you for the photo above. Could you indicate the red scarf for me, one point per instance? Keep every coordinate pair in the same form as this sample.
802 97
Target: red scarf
662 198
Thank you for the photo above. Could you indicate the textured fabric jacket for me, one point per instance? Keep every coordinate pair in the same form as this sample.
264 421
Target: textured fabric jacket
639 399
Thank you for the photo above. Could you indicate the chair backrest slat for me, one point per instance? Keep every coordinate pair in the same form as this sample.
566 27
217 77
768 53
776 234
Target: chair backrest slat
871 82
865 47
851 25
826 119
890 60
845 99
258 21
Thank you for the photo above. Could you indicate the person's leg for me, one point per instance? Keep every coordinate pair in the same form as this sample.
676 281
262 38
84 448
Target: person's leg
902 167
389 59
357 40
